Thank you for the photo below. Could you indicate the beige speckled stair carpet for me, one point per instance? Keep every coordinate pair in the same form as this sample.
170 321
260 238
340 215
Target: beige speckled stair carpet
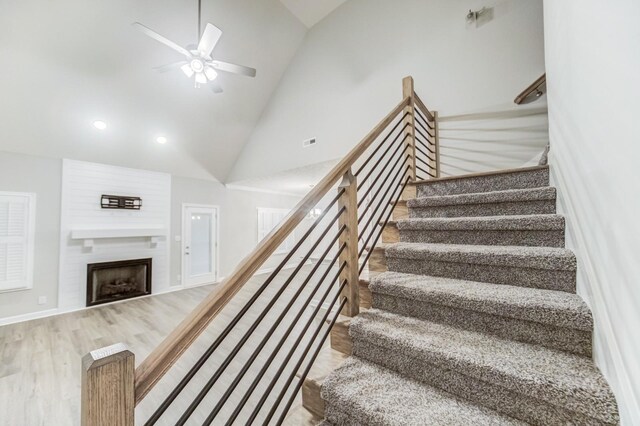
477 321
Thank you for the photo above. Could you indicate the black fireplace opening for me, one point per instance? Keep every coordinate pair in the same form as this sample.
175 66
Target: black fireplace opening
124 279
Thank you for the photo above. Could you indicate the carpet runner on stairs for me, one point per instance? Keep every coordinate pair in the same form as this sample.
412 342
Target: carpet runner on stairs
477 320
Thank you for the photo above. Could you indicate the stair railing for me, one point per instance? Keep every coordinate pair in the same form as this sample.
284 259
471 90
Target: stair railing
357 198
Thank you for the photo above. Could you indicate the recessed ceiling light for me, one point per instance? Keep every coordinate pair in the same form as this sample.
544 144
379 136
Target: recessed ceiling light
161 139
99 124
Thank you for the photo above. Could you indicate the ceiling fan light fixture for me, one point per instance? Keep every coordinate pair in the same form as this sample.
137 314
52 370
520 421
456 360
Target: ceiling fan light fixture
186 69
210 73
201 78
197 65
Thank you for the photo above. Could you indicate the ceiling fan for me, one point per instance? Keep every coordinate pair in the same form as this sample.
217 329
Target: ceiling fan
198 62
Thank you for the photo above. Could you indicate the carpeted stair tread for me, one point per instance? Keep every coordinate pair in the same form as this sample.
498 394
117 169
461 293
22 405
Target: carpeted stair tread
541 222
522 178
550 307
558 378
363 393
505 196
516 256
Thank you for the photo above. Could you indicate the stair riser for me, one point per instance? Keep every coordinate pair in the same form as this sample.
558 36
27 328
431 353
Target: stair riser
544 238
498 182
311 399
400 211
564 339
561 280
523 406
377 261
340 339
474 210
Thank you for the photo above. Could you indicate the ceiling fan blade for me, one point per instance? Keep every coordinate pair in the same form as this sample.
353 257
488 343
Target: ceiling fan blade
215 87
209 40
169 67
233 68
148 31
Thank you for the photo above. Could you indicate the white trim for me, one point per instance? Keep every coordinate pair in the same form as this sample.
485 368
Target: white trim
610 344
30 237
216 259
27 317
95 233
236 187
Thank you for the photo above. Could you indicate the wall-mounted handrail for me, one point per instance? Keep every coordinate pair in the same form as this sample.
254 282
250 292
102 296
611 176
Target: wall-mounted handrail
418 134
533 91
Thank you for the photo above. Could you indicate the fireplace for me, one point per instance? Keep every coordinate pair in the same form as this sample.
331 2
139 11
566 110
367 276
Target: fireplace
111 281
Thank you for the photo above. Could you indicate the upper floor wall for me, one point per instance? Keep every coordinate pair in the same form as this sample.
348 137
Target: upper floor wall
347 75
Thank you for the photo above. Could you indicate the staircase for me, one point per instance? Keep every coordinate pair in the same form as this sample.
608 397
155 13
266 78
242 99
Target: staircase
474 321
465 315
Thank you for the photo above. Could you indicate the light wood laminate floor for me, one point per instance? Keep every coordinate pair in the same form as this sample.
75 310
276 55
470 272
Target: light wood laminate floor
40 370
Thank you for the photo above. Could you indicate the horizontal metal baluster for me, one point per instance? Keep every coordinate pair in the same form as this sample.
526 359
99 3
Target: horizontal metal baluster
423 118
375 241
383 156
425 145
423 153
275 325
423 135
380 187
207 387
211 349
283 339
389 187
306 351
381 144
402 149
284 363
378 178
304 374
424 171
426 129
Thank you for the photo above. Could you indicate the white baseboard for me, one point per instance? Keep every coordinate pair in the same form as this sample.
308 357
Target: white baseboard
28 317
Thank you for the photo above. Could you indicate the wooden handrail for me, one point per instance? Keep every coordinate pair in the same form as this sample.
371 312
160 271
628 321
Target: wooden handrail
171 348
423 107
533 88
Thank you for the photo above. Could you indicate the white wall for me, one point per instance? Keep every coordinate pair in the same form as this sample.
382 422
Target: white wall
238 220
43 176
593 63
347 75
83 184
22 173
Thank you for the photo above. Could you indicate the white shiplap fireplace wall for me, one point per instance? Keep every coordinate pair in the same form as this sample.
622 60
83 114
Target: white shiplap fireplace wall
83 184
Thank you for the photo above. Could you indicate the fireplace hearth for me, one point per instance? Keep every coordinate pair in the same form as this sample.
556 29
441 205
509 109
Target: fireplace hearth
111 281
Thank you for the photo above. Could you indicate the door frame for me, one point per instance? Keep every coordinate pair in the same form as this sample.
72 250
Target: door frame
216 234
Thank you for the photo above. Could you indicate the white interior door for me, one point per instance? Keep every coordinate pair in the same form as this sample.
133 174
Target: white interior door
199 244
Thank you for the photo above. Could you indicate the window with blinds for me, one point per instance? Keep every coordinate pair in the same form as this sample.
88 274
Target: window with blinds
17 223
269 219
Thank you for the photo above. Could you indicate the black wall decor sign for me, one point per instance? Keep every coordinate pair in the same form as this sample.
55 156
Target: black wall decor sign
120 202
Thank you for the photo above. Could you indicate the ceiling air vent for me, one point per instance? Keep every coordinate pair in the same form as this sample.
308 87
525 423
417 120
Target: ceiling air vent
309 142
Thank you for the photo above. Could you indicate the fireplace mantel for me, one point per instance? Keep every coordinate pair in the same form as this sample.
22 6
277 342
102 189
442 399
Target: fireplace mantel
88 235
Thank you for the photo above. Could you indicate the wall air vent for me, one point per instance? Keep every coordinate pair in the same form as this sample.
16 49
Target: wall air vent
309 142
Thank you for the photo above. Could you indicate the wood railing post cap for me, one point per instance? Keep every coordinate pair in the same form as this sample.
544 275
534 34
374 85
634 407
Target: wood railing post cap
106 355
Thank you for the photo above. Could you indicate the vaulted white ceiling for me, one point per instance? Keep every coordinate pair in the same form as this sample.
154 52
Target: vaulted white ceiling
310 12
66 63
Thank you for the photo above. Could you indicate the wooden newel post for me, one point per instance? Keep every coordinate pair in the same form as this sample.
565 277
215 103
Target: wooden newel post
108 387
410 125
349 218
